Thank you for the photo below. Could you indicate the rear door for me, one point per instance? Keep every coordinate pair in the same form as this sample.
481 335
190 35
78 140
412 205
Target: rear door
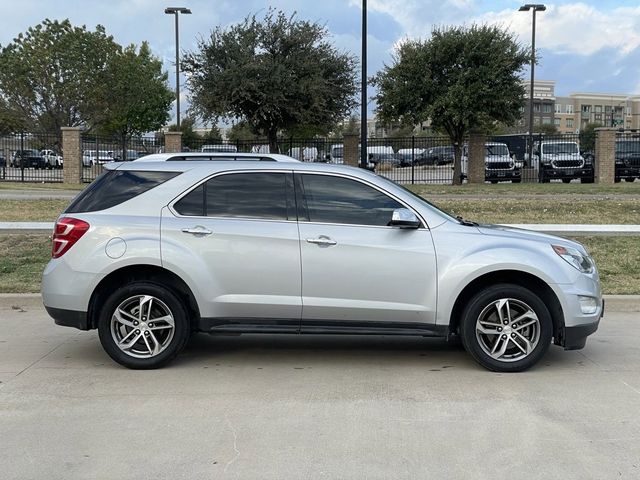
236 237
355 268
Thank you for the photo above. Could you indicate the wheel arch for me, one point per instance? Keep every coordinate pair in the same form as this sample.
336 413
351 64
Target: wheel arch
149 273
523 279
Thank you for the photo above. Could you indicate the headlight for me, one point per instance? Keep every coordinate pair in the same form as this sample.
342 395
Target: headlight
575 258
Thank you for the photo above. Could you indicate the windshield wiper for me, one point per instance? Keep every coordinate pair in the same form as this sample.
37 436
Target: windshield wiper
466 223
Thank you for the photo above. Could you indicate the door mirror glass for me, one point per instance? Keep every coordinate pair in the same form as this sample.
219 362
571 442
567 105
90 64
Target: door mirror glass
404 218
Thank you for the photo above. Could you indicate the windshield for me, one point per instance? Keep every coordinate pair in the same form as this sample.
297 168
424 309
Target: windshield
556 148
628 146
501 150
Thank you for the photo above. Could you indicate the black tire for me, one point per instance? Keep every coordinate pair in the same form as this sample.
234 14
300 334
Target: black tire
481 302
629 179
174 346
566 180
493 182
586 180
516 180
616 180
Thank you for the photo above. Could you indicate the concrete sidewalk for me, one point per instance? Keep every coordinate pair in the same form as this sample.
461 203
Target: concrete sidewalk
285 407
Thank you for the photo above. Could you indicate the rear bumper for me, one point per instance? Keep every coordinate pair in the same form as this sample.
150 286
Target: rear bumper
69 318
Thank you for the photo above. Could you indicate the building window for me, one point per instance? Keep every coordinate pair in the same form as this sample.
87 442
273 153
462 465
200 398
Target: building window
536 107
546 108
586 108
558 108
536 121
598 109
569 108
556 122
546 121
569 122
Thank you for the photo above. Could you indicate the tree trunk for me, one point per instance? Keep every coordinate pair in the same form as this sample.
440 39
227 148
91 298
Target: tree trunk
457 163
272 136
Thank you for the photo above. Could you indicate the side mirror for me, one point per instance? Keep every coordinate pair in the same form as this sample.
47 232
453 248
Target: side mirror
404 218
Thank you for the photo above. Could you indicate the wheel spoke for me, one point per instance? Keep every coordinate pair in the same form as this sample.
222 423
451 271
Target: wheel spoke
168 319
525 325
528 314
487 331
120 314
526 341
503 348
156 344
127 346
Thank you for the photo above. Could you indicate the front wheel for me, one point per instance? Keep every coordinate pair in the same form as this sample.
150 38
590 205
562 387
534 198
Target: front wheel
629 179
506 328
143 325
566 180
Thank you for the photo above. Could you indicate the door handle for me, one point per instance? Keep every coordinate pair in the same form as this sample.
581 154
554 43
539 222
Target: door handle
197 230
322 240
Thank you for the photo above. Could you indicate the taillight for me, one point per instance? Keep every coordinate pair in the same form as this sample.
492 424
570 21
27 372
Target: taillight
66 233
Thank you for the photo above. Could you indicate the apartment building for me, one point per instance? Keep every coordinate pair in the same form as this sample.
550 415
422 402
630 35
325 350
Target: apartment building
572 113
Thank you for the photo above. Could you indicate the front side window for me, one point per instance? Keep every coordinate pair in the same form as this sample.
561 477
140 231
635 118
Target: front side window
331 199
258 195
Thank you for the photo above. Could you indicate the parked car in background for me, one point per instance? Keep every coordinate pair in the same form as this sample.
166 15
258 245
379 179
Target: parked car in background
440 155
498 164
417 156
304 154
627 159
93 157
260 149
52 159
557 159
219 148
151 252
130 155
28 158
336 154
384 159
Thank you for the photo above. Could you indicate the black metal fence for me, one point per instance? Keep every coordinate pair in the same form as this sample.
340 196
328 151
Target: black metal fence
98 150
31 157
627 167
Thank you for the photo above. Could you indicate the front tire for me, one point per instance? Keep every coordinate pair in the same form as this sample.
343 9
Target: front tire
506 328
143 325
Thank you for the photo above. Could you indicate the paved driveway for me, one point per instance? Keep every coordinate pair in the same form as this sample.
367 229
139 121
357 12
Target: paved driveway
289 407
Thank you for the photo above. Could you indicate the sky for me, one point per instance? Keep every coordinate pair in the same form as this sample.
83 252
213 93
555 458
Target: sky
585 46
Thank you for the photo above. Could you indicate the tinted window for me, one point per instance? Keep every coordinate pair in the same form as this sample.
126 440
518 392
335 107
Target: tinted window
192 203
245 195
341 200
115 187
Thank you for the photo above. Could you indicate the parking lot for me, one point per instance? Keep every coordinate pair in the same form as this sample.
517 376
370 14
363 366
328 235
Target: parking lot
313 407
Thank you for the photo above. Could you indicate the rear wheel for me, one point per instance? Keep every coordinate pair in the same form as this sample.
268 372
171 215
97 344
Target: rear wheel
629 179
143 325
566 180
516 180
506 328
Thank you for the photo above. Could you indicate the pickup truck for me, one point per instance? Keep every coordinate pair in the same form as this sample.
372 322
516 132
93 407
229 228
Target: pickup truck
627 159
52 159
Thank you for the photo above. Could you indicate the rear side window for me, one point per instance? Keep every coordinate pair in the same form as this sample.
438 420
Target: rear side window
262 195
115 187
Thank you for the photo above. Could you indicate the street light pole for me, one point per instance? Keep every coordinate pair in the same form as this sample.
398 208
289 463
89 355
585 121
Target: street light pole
177 11
535 8
363 91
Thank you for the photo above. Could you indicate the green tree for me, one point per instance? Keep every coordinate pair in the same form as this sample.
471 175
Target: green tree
241 132
213 136
49 75
274 73
587 137
190 138
462 78
134 96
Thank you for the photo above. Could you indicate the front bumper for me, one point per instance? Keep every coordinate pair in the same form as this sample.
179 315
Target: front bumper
502 174
627 172
567 172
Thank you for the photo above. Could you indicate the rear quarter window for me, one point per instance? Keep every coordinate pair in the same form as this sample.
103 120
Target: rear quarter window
115 187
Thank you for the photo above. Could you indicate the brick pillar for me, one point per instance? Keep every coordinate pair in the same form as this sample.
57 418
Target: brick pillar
475 168
350 151
72 155
173 142
605 164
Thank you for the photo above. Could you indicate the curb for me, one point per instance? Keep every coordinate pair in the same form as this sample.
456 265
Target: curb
613 303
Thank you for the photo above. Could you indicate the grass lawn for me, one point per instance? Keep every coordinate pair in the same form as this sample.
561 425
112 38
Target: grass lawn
31 210
41 186
531 210
622 188
23 258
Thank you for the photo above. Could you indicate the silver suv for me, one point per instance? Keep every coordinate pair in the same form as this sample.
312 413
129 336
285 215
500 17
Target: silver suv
152 252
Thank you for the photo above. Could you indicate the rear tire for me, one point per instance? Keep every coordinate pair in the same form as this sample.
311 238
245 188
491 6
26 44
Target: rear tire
513 346
566 180
629 179
143 325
